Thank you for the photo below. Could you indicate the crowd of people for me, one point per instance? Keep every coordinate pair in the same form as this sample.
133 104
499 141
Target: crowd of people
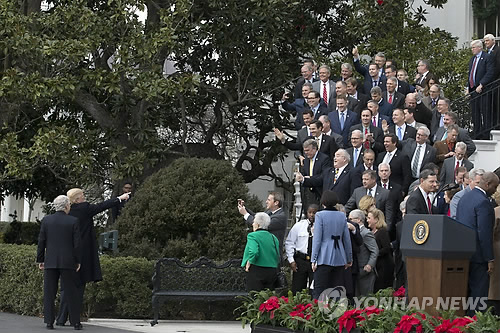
370 152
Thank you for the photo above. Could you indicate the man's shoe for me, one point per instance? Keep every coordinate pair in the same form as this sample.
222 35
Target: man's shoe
50 326
78 326
59 324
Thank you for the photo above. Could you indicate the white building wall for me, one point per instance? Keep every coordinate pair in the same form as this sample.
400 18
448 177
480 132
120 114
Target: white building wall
456 17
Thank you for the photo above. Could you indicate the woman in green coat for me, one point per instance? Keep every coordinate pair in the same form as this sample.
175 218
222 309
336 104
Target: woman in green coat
261 256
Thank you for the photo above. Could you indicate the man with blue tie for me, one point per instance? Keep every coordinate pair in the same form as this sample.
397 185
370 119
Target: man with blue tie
476 211
481 72
342 119
372 74
400 128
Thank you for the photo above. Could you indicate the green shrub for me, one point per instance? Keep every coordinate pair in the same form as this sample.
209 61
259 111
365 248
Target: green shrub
186 210
22 233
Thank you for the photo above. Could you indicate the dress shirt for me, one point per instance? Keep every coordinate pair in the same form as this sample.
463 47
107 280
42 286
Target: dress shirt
403 129
385 185
297 239
311 163
318 140
413 124
340 170
372 191
420 157
355 154
389 155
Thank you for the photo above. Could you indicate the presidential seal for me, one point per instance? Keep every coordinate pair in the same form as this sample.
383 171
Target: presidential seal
420 232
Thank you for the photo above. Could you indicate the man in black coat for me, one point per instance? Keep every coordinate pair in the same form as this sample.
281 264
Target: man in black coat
90 267
399 162
420 200
58 254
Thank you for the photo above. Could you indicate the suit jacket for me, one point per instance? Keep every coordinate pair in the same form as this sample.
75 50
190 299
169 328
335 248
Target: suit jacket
321 163
352 104
423 81
455 200
398 100
345 184
395 196
261 249
410 132
317 86
410 147
400 169
441 150
296 108
447 173
495 57
351 119
475 210
59 242
299 85
296 145
423 115
359 160
277 226
368 252
378 135
339 140
485 71
403 88
435 122
381 117
328 146
385 109
368 81
463 136
417 204
362 102
428 103
382 201
331 243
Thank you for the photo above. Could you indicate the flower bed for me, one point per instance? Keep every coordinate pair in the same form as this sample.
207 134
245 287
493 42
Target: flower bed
266 311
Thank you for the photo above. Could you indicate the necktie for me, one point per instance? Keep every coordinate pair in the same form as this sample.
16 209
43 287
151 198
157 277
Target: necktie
355 159
375 83
429 204
370 192
390 98
433 102
387 158
456 167
318 141
336 176
400 136
374 121
367 143
441 123
325 95
342 121
384 185
311 166
472 75
445 135
416 159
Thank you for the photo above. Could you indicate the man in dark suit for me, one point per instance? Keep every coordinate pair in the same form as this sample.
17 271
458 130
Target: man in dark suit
399 162
91 266
378 120
395 196
59 255
327 130
494 53
370 187
384 108
421 113
325 86
314 163
423 74
307 77
420 200
326 144
449 119
432 100
298 105
341 91
367 164
353 91
443 106
475 210
401 86
338 179
400 128
342 119
419 152
481 72
274 208
316 104
357 150
373 137
393 98
451 164
302 134
371 74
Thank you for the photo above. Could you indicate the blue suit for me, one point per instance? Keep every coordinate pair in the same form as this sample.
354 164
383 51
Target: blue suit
385 109
368 82
331 249
351 119
297 108
475 210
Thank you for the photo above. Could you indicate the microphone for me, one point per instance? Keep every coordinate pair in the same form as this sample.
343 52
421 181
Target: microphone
447 187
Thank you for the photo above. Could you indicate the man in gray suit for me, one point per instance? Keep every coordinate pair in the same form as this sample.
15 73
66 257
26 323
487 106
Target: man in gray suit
450 165
325 86
451 118
474 177
370 187
367 256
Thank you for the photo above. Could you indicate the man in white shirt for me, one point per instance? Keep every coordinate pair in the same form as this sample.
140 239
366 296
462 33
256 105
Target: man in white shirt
298 247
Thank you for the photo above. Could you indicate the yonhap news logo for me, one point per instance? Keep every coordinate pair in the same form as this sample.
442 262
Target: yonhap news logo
333 302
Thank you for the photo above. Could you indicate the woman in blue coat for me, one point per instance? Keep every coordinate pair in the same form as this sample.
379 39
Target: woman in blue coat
331 250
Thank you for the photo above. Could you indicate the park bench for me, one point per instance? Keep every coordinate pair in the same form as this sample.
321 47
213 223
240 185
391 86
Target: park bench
202 279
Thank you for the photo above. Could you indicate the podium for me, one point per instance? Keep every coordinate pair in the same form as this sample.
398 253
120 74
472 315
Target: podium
437 250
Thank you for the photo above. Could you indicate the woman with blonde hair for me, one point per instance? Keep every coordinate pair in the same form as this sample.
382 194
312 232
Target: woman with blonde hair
366 203
385 261
494 290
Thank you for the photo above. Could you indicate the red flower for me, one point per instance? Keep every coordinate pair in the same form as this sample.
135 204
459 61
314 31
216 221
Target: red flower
348 319
400 292
270 305
380 2
285 299
461 322
372 310
447 327
407 323
300 310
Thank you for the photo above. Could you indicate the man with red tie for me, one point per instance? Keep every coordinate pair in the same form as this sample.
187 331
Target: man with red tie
420 200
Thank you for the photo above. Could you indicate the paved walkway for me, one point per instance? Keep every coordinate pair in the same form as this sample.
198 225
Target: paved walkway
12 323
